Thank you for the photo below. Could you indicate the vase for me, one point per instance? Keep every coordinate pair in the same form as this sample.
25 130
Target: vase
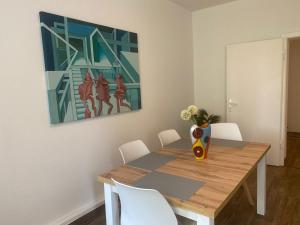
200 137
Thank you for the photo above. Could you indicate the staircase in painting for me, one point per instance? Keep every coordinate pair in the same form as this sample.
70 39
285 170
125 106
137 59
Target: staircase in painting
63 97
77 80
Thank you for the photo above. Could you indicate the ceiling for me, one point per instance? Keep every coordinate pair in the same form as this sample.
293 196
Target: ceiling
194 5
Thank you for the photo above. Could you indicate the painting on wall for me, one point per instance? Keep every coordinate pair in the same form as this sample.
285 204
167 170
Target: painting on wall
91 70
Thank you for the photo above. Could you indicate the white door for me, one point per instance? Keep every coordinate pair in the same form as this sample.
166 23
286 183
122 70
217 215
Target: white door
254 90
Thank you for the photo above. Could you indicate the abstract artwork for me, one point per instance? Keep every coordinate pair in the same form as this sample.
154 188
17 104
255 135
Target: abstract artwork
91 70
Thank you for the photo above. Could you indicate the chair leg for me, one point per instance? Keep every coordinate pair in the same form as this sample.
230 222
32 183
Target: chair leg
249 196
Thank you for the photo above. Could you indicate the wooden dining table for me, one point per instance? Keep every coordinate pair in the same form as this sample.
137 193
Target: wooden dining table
222 173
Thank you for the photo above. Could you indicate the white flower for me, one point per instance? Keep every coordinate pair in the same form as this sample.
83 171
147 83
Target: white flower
185 114
192 109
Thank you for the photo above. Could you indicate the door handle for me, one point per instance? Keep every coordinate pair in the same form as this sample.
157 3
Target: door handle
231 104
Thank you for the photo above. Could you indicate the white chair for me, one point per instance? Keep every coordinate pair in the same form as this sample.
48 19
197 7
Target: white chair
168 136
144 207
133 150
230 131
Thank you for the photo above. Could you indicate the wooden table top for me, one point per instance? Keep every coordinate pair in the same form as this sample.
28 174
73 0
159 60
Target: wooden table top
225 169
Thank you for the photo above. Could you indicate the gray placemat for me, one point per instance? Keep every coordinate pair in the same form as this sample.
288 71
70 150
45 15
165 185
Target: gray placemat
229 143
170 185
151 161
184 143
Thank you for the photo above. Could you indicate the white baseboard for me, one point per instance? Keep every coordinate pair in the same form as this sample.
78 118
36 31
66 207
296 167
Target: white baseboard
77 213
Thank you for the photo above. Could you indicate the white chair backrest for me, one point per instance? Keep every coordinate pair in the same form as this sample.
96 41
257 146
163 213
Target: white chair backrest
229 131
168 136
133 150
144 207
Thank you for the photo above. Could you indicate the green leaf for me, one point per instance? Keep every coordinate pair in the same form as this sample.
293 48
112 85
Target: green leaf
203 117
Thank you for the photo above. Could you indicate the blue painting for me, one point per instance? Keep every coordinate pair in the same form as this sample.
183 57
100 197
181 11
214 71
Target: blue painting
91 70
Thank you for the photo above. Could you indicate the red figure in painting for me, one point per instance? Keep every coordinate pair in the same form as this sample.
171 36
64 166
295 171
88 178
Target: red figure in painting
120 93
86 93
102 90
87 113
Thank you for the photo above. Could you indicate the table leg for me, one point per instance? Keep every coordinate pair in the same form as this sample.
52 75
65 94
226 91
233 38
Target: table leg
111 205
261 186
204 220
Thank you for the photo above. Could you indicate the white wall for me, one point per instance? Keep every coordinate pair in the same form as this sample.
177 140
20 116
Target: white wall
294 86
49 172
235 22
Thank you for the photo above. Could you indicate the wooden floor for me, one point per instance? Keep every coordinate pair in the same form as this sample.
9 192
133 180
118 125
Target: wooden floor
283 195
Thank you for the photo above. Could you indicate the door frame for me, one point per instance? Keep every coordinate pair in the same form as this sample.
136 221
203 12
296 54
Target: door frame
284 99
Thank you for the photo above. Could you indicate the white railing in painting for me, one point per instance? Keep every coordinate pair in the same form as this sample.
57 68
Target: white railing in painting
63 40
106 43
69 66
63 103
